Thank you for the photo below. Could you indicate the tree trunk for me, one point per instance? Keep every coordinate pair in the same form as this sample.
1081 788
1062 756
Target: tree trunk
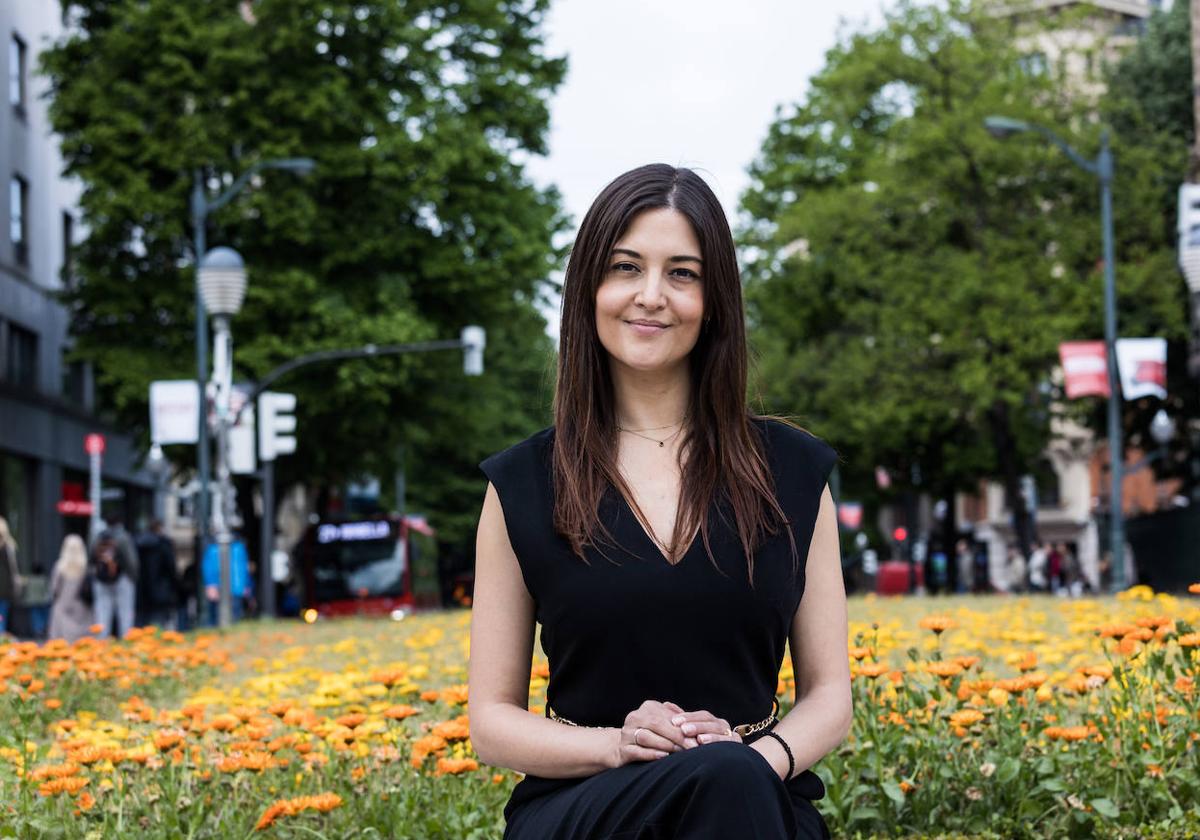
1007 456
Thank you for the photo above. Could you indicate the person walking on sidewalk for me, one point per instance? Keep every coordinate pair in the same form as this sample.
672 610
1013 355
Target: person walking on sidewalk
114 573
10 574
70 614
157 577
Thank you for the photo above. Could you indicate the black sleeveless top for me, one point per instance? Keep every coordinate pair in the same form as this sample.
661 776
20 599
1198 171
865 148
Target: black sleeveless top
632 627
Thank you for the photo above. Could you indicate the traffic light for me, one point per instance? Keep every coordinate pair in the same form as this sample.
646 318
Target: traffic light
276 424
474 339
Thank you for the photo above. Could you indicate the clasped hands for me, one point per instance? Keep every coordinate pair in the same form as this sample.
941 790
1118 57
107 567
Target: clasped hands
655 730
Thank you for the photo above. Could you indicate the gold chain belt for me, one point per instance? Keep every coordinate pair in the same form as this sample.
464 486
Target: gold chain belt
744 729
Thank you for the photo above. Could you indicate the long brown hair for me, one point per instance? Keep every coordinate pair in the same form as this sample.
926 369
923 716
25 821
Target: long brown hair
722 455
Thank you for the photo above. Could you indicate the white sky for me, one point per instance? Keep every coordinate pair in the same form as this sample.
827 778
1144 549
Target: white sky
684 82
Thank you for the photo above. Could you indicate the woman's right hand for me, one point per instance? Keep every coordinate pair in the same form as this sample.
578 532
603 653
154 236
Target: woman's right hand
648 734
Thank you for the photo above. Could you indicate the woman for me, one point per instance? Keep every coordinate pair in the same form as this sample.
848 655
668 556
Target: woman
670 544
70 615
10 574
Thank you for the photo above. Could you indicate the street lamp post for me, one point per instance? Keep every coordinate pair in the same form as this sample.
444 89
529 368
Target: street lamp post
223 287
1102 168
201 207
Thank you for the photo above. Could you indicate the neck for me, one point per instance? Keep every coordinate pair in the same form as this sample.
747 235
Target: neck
650 399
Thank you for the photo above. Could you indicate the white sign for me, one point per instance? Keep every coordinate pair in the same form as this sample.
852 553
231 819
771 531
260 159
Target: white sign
241 444
378 529
276 425
1143 366
174 411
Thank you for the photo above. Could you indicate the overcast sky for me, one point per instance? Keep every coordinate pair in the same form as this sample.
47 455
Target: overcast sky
678 81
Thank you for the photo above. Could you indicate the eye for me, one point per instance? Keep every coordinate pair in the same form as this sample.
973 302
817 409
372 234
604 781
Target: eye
685 273
624 267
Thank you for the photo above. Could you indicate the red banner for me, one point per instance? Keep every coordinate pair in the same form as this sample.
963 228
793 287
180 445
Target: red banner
1085 368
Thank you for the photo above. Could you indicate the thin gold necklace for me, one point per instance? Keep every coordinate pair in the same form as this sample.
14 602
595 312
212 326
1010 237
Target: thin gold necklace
661 443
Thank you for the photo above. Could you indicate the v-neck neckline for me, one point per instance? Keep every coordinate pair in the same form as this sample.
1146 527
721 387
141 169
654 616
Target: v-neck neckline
646 535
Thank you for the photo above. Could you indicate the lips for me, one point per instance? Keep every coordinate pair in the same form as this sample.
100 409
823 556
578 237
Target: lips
646 328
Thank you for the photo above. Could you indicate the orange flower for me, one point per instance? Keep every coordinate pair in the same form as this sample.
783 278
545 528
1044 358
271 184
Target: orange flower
1194 588
1142 634
497 778
943 669
96 629
873 670
937 623
323 802
53 703
1067 733
966 662
85 801
1154 621
966 717
1185 685
430 696
424 746
54 771
1189 640
1027 662
351 720
400 712
453 730
1154 771
164 739
454 766
70 784
390 676
1115 631
860 653
540 670
907 786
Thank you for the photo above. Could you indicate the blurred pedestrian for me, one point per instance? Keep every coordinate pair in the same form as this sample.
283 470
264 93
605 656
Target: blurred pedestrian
10 574
1072 573
964 561
70 614
239 579
114 578
983 571
1054 568
157 577
1038 562
35 597
1015 571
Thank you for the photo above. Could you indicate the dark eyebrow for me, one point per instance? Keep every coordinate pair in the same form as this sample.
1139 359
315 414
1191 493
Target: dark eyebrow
637 256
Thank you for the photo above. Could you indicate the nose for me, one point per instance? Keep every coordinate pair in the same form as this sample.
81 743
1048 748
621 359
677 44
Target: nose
650 292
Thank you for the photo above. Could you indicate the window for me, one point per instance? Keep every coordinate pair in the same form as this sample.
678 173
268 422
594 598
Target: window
18 203
16 73
68 239
22 357
74 379
16 500
1034 64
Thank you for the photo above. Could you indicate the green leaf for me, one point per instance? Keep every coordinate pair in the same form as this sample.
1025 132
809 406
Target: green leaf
893 792
1008 770
1105 808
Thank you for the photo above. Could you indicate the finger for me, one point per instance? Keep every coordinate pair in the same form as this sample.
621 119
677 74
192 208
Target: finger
675 709
702 727
632 752
644 736
683 717
709 738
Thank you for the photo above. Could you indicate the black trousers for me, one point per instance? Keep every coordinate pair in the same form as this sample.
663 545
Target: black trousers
713 792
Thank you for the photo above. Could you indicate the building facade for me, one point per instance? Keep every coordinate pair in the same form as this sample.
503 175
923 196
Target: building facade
47 399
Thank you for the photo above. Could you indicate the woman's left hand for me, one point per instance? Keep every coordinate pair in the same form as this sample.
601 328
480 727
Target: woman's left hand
702 727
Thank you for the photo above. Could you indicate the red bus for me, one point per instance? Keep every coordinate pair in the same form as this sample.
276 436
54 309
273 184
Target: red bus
375 566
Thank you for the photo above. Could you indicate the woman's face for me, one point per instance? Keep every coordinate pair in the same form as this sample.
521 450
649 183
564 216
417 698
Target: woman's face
650 303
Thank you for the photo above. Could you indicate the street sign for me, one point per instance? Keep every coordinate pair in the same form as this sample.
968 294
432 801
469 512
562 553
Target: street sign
276 425
174 411
74 507
241 444
93 444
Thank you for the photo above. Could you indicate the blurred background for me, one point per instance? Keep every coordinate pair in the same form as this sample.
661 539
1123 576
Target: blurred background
279 273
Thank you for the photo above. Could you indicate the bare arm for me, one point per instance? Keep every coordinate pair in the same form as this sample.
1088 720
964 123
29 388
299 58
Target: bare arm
503 731
821 718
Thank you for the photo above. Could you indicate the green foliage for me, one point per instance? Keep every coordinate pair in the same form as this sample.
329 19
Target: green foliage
910 276
419 219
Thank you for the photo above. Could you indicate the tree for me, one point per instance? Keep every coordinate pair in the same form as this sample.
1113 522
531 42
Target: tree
419 219
909 276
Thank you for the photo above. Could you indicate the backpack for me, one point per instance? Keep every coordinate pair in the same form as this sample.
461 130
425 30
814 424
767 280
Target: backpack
105 567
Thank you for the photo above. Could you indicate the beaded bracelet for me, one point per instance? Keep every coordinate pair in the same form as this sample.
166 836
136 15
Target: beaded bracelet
786 749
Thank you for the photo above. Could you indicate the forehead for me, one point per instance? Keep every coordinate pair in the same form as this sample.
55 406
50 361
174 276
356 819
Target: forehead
660 230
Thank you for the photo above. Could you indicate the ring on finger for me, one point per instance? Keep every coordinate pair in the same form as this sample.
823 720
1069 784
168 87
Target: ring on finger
636 733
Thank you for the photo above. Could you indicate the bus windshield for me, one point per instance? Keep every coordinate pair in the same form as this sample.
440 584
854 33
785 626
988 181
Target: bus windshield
359 569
